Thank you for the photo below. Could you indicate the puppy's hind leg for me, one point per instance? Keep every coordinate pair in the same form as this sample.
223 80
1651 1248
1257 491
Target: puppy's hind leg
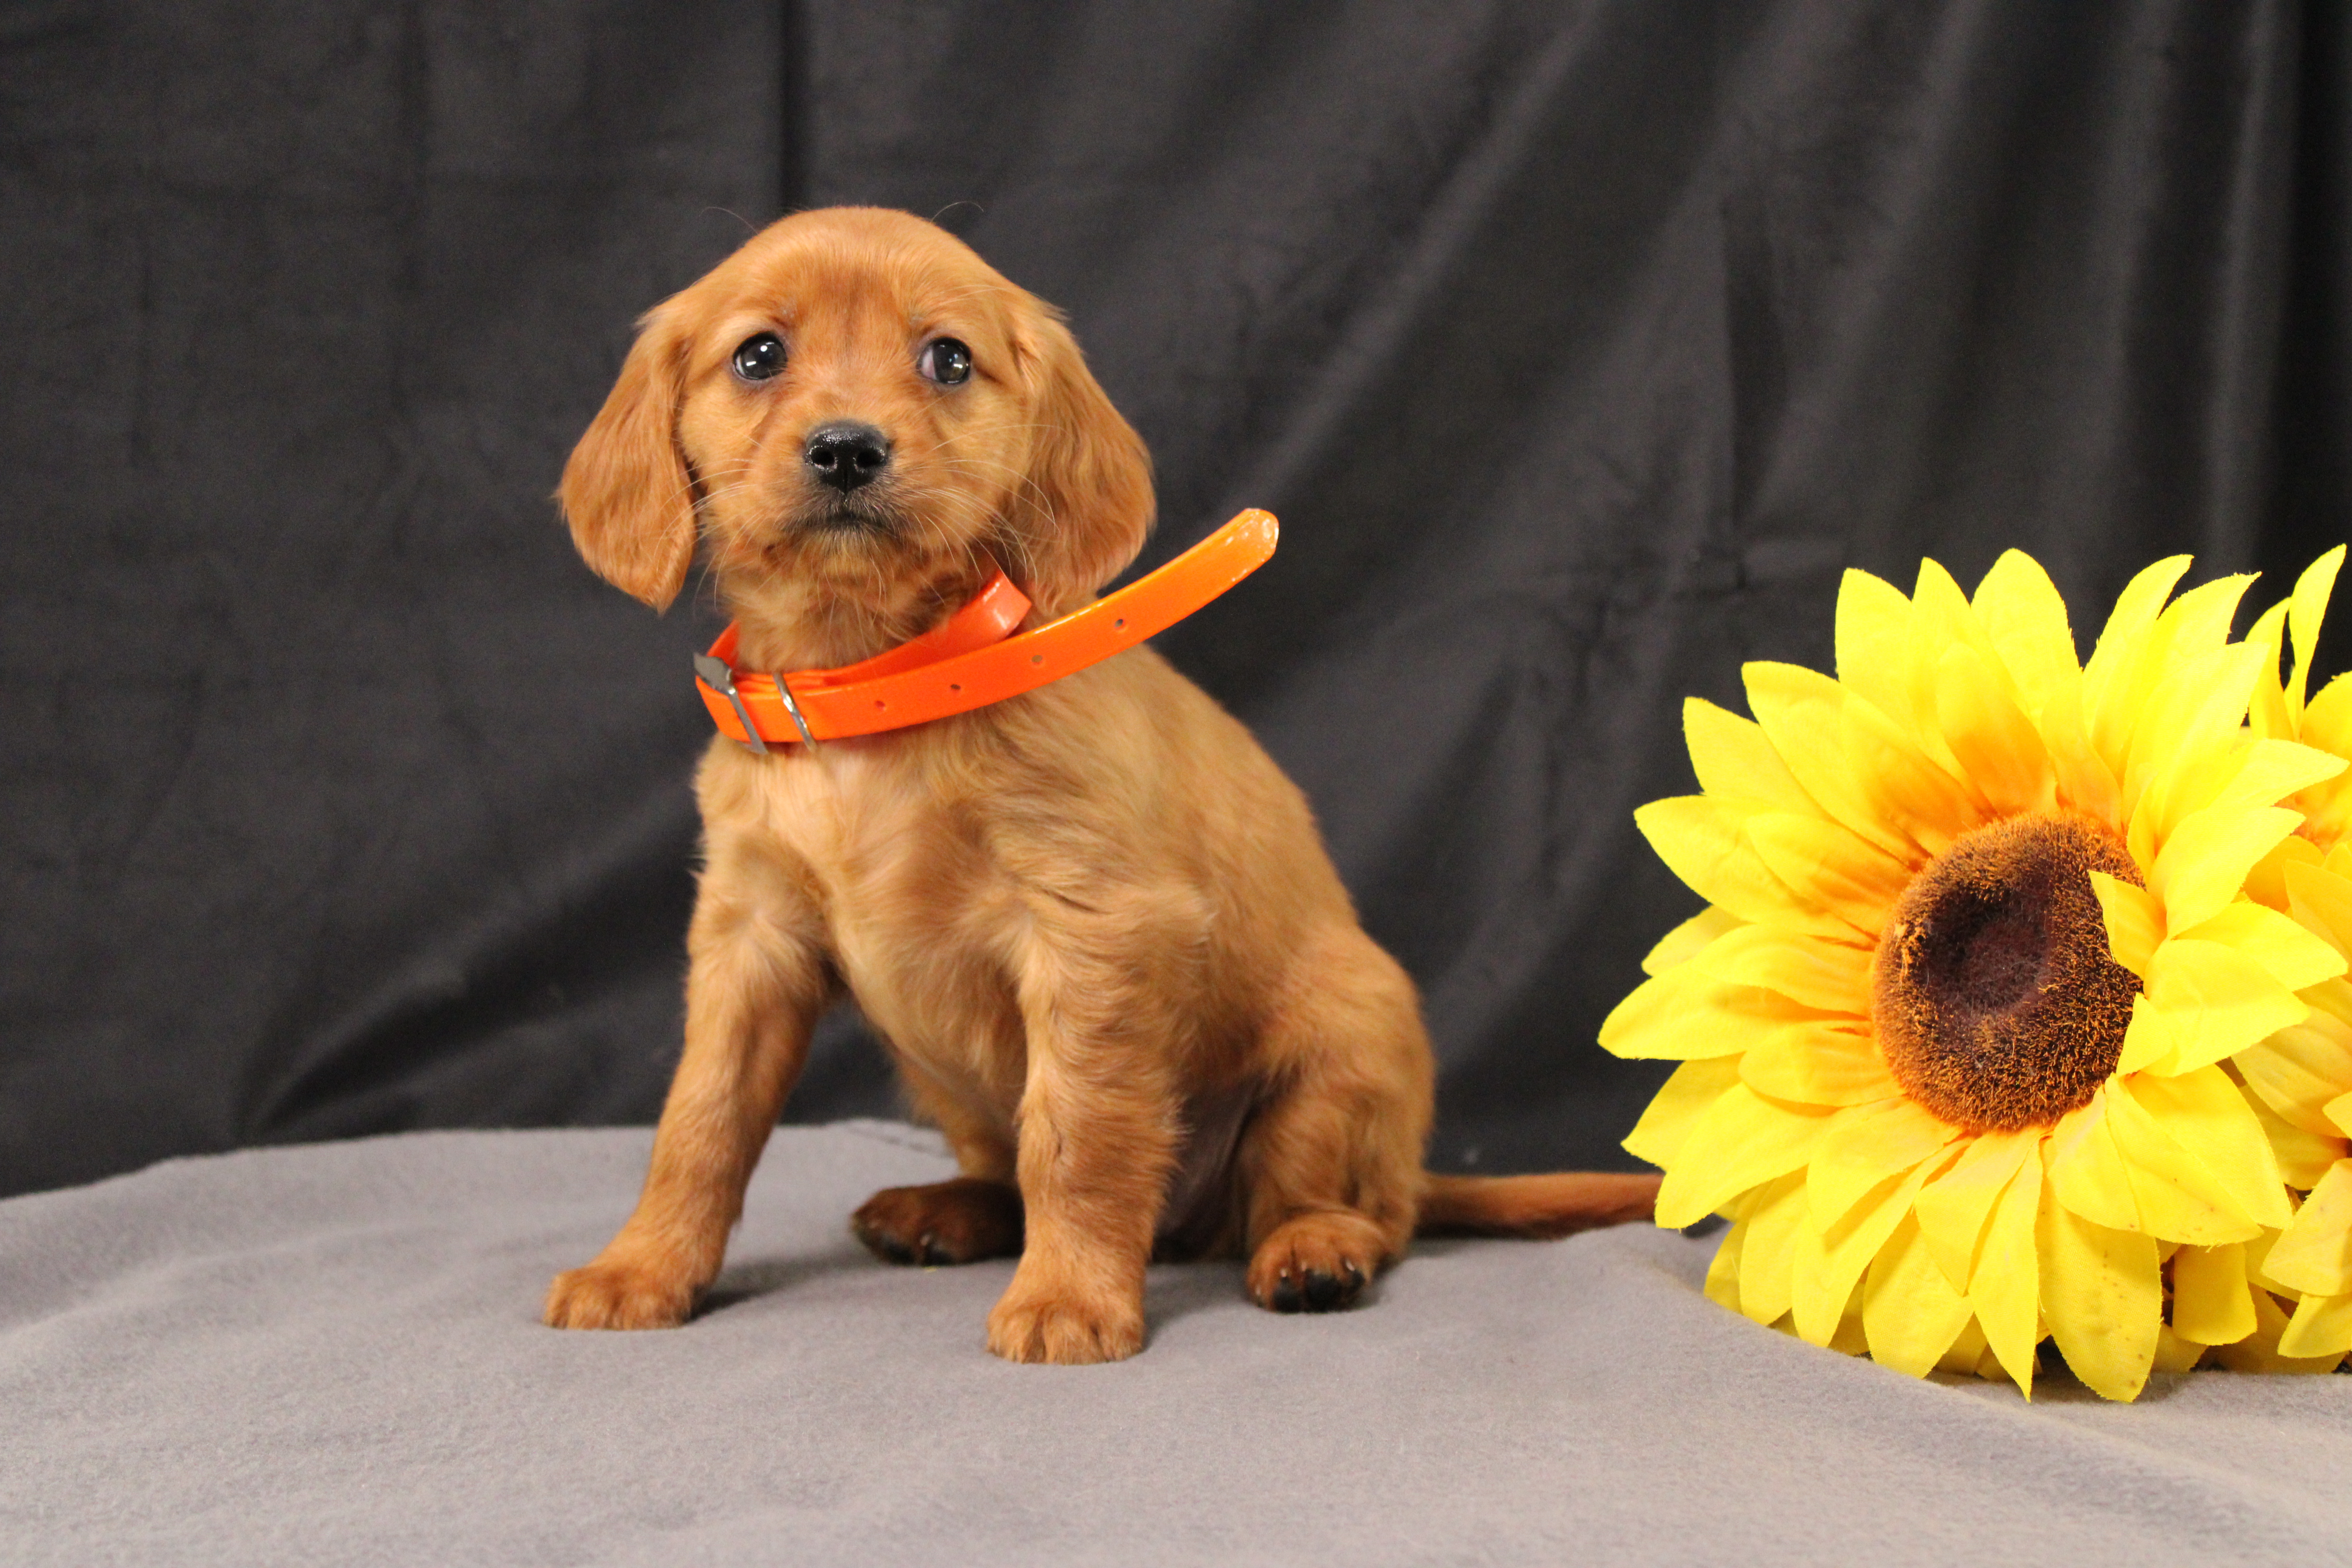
976 1215
1330 1165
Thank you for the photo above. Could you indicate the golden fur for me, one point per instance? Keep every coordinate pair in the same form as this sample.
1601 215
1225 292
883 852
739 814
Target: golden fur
1094 923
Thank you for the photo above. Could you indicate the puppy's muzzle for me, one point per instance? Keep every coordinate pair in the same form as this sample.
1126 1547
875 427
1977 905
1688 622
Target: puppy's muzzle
846 455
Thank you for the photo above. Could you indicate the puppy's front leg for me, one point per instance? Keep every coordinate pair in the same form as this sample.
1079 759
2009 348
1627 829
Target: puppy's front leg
755 984
1097 1138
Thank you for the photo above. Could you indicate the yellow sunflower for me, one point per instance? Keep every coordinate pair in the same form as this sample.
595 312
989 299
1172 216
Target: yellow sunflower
1976 944
2301 1077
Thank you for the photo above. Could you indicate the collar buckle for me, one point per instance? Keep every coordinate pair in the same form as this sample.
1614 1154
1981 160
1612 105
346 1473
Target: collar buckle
720 676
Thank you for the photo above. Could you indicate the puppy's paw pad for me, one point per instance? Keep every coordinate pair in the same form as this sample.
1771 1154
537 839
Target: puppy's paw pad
959 1221
1319 1263
618 1296
1063 1333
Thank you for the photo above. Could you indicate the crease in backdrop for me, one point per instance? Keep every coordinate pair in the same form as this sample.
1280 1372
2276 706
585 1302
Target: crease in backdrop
1580 348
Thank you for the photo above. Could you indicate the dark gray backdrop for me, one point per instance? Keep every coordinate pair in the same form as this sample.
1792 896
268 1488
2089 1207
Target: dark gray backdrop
1578 346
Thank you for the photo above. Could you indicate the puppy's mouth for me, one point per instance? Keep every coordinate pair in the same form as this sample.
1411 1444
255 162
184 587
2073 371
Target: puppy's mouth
840 516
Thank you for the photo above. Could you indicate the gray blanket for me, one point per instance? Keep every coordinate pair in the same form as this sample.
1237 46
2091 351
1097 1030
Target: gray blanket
331 1356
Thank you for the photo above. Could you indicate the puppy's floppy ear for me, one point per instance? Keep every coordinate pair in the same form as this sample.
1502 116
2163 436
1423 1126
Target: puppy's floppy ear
626 491
1086 505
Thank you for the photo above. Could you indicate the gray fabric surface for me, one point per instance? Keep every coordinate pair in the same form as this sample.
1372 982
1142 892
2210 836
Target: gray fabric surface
330 1354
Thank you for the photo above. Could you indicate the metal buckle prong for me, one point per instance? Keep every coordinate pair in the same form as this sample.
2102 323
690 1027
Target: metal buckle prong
718 675
793 709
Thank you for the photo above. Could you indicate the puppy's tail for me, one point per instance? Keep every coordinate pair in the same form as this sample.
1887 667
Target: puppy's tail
1558 1203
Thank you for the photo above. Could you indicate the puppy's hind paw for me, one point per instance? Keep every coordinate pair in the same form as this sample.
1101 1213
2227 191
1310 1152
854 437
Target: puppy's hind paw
1316 1263
613 1295
959 1221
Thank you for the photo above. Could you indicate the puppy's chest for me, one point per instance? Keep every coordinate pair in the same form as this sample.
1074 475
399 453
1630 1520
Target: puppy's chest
917 914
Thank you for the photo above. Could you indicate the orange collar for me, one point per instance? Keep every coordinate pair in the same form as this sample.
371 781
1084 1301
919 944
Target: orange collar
972 660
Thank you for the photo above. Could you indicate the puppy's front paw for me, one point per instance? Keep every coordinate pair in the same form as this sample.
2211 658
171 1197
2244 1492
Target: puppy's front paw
1316 1263
611 1293
1064 1329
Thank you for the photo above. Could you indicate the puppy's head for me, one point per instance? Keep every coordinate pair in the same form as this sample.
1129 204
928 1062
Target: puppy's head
851 413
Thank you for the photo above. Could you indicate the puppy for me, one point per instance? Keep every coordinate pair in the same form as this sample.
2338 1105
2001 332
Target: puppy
1094 923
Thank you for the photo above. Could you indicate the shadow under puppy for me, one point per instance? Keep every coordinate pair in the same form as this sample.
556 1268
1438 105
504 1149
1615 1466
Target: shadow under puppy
1095 922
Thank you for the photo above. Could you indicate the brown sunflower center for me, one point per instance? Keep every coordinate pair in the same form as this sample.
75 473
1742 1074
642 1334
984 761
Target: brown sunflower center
1996 1002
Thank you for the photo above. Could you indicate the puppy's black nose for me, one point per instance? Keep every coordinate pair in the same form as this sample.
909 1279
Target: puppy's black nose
846 455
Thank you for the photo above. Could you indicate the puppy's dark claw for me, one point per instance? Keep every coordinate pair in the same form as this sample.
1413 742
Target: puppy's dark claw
1318 1290
1323 1290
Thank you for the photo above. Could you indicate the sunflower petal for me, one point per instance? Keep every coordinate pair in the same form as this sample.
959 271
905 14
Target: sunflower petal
2178 1198
1801 710
1954 1207
1824 1293
2025 618
1704 841
2271 771
1686 1013
1741 1141
2087 1170
2195 1133
2303 1157
1733 759
2102 1298
2327 721
1873 622
2197 709
2191 694
2309 608
2193 781
1828 976
1996 746
2149 1038
2086 781
2135 920
2212 1304
2338 1113
2266 712
1941 621
1837 869
2260 1350
1723 1269
2313 1255
2204 864
1768 1256
2005 1287
1817 1064
2266 883
2216 1002
2174 1353
1905 786
1910 1312
1666 1127
2322 902
2115 658
1864 1146
2330 998
2321 1329
2290 954
1680 945
2297 1071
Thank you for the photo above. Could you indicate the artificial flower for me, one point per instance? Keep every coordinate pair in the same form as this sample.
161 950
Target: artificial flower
2301 1077
1977 945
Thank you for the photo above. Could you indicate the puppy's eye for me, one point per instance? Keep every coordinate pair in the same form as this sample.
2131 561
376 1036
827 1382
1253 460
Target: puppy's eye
945 361
757 359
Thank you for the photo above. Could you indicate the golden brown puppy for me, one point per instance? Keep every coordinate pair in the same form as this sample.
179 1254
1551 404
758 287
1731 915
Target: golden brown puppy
1094 923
